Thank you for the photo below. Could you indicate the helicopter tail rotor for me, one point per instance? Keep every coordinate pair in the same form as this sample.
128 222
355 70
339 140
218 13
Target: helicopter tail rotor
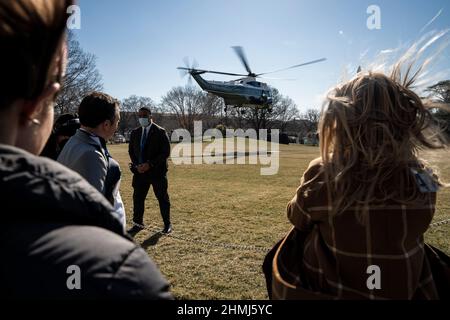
190 66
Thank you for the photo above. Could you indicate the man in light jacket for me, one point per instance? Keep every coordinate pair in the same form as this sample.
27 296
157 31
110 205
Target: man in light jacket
86 152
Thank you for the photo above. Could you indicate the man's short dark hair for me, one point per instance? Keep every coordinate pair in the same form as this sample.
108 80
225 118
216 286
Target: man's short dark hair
146 109
96 108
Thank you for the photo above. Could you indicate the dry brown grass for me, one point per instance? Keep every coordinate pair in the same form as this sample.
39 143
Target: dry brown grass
234 204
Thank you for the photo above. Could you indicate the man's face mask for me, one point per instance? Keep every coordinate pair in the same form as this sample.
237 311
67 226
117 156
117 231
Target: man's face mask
144 122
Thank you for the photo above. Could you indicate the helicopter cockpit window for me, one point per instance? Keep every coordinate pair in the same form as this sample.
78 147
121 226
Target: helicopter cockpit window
266 94
254 83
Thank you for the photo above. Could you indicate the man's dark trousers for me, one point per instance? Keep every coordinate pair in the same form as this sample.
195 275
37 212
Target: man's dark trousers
141 185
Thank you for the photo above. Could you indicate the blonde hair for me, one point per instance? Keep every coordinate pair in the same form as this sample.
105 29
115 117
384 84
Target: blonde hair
371 130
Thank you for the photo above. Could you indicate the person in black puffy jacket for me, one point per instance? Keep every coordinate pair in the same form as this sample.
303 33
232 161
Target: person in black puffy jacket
58 237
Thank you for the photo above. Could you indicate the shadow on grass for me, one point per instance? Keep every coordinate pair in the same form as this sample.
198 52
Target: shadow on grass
152 240
134 232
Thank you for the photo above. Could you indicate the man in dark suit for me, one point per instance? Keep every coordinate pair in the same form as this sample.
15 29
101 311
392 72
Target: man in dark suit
149 149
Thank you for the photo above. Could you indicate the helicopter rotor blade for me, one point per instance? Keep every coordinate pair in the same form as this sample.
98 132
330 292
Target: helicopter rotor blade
225 73
241 54
286 79
189 65
211 71
292 67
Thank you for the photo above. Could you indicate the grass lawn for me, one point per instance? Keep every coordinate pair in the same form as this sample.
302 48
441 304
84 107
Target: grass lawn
234 204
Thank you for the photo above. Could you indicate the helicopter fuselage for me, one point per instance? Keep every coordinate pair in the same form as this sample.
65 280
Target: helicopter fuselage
246 92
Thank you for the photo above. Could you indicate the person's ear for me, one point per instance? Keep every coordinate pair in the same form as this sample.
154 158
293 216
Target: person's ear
32 109
107 124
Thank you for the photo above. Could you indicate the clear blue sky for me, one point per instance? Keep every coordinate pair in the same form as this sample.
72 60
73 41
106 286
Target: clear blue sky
139 43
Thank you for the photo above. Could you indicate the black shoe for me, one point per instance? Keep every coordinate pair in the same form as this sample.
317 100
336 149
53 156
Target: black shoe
167 229
135 229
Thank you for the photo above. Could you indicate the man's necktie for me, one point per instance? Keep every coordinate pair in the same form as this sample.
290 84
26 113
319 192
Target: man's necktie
143 140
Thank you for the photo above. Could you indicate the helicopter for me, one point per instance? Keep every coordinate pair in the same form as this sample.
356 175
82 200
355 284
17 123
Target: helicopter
242 92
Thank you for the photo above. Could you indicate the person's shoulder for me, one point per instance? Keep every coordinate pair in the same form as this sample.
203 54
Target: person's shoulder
89 243
62 177
49 187
78 144
90 155
311 185
132 273
317 162
135 130
314 168
111 265
157 127
78 155
86 242
40 167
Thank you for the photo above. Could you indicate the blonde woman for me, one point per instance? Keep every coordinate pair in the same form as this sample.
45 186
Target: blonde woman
363 207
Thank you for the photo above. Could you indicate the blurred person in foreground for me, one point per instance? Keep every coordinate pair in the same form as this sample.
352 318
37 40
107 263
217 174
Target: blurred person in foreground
59 238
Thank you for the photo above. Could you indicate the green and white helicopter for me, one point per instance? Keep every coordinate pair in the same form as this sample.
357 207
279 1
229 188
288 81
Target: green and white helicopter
242 92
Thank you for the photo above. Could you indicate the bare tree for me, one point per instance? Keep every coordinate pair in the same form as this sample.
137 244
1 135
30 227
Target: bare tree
440 93
187 104
285 111
81 77
190 104
212 109
282 111
310 119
